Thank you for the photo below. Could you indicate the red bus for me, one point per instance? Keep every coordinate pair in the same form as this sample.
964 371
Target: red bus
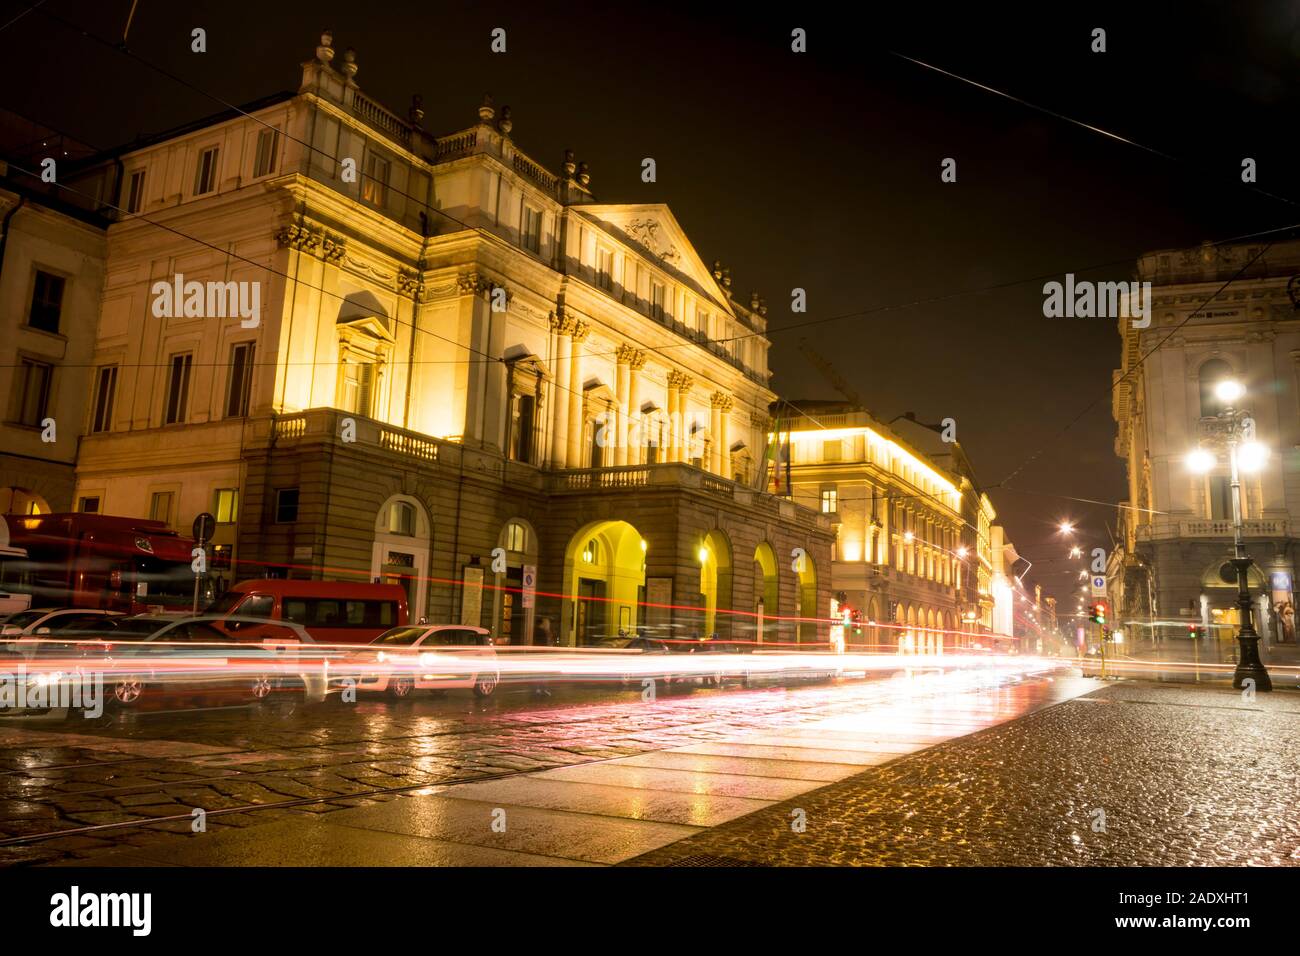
103 561
332 612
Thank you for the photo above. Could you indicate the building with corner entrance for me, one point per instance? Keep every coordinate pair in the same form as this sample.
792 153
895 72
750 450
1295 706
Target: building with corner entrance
1218 312
374 352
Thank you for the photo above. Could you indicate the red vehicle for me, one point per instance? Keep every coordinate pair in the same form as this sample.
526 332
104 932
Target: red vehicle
332 612
103 561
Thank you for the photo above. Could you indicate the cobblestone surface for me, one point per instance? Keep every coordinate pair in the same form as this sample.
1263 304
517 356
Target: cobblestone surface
1184 777
67 777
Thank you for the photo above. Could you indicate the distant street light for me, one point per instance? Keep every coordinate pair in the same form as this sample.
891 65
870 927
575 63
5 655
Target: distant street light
1066 527
1235 429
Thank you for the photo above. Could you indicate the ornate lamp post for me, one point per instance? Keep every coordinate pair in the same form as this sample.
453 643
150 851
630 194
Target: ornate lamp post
1234 429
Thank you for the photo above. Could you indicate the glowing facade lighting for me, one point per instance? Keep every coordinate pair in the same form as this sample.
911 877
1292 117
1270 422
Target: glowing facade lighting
1201 461
1229 390
1252 456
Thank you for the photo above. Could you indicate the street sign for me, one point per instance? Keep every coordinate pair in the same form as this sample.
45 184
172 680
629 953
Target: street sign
530 585
204 527
1098 585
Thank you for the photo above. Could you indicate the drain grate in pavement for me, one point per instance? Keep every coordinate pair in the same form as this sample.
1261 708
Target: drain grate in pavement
708 859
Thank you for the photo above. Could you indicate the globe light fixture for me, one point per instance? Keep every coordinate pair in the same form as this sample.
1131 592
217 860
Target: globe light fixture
1252 456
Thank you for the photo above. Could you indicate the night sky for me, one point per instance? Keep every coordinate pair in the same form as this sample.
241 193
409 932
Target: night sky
818 171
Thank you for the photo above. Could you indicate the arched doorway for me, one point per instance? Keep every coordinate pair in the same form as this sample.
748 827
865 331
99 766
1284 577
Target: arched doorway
766 588
514 621
401 550
604 582
872 631
806 595
907 644
22 501
715 582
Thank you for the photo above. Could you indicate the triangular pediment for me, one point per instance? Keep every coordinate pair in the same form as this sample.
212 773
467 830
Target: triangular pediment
652 230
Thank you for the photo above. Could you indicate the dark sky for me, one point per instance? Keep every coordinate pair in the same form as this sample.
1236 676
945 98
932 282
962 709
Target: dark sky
818 171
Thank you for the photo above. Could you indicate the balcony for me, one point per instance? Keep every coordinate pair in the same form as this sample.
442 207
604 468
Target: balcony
1212 528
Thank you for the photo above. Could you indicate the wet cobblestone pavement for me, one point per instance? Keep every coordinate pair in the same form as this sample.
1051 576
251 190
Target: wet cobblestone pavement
65 777
1134 774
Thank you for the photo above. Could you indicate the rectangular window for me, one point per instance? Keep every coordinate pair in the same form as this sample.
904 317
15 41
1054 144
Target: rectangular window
832 450
178 389
374 184
32 396
521 435
89 505
356 387
532 231
286 505
268 146
135 192
830 501
47 302
160 507
241 380
604 268
205 177
225 505
1220 498
658 295
105 391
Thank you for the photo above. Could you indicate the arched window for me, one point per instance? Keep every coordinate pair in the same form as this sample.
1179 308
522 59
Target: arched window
401 518
1212 372
516 537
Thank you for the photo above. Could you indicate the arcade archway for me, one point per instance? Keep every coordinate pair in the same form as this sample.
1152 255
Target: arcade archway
604 580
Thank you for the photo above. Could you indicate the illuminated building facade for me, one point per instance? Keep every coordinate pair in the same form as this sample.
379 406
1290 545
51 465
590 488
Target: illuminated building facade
898 521
1177 524
52 250
466 376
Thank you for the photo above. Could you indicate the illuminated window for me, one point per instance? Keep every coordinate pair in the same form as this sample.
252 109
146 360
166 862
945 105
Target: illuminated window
226 505
374 184
516 537
1220 498
830 501
591 553
355 387
1211 373
521 427
401 518
205 177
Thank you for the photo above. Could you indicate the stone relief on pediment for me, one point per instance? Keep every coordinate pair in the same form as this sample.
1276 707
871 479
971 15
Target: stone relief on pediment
646 233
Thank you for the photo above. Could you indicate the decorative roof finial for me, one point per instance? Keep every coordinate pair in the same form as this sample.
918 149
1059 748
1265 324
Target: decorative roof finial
416 113
717 269
570 167
325 52
584 175
754 302
349 63
505 123
486 110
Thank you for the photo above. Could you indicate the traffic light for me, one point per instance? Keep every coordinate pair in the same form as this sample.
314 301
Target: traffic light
1194 631
1099 613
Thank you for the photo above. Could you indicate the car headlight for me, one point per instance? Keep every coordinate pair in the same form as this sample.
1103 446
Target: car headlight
381 656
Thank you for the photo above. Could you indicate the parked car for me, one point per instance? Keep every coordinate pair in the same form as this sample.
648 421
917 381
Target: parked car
160 662
24 632
415 657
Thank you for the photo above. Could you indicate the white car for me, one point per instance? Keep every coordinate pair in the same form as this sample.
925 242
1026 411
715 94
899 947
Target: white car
23 630
429 657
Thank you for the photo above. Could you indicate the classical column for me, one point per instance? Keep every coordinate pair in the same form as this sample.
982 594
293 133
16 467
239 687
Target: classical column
634 404
715 432
574 457
563 328
679 388
622 384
